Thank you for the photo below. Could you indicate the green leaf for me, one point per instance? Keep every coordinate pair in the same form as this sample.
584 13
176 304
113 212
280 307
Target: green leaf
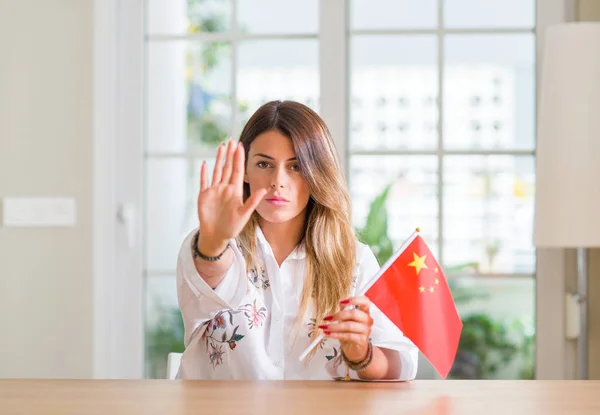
376 225
374 233
237 337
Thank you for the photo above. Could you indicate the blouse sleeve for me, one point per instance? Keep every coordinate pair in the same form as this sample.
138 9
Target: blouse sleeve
384 333
197 301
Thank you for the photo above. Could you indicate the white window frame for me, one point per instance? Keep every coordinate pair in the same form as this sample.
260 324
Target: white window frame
118 178
118 348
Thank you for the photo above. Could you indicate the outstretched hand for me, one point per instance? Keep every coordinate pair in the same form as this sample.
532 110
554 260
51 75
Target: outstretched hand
222 212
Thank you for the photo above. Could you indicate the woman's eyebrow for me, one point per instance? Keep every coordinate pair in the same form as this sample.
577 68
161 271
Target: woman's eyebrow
271 158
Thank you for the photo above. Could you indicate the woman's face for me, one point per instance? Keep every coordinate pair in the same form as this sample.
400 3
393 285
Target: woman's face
272 165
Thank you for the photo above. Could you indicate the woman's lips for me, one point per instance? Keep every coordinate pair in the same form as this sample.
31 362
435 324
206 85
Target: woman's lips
277 201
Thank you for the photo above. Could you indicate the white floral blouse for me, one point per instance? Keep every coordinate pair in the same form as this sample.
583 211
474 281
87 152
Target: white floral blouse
244 328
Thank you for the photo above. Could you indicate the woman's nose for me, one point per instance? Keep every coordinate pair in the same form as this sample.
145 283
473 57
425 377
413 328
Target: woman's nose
278 179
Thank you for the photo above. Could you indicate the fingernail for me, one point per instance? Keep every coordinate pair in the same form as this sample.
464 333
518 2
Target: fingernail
324 326
344 301
327 333
328 318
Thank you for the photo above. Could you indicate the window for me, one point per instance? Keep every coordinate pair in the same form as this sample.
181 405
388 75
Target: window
440 108
442 114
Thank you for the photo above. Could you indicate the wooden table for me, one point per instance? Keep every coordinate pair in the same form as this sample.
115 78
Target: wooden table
106 397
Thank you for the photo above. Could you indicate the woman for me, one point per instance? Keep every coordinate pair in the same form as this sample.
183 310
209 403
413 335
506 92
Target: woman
275 262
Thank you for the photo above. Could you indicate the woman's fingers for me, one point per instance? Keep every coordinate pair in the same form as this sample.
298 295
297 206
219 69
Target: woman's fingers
237 175
228 167
253 202
347 327
218 170
362 302
355 314
203 177
355 308
353 320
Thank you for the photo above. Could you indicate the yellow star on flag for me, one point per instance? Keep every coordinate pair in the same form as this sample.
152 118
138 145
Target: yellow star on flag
437 281
418 263
431 289
422 289
435 270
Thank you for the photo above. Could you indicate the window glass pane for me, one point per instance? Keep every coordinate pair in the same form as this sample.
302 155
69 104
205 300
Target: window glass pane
488 212
394 84
172 186
276 69
489 92
498 336
278 16
189 95
187 16
164 326
489 13
411 201
393 14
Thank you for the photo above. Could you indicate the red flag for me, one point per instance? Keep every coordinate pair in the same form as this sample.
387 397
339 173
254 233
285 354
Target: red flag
412 291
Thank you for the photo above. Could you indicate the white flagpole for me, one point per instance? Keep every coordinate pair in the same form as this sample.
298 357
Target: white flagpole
385 266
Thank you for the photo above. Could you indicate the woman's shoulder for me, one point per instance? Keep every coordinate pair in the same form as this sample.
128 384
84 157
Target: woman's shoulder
366 261
364 252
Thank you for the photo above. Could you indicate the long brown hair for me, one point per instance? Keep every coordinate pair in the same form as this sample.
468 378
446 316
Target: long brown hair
329 238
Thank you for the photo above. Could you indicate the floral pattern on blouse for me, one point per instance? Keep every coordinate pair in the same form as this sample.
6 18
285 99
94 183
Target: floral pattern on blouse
336 357
256 316
258 278
216 334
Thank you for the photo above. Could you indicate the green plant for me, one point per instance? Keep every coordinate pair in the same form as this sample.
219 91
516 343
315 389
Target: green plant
204 125
375 231
163 337
528 351
483 348
208 121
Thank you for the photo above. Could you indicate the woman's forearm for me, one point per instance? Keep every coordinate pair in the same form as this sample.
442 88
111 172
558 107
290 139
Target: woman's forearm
385 365
213 272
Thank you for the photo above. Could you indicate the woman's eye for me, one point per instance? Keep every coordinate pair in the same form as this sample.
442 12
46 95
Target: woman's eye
262 164
295 167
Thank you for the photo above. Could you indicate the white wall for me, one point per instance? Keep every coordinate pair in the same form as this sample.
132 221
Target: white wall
589 10
46 150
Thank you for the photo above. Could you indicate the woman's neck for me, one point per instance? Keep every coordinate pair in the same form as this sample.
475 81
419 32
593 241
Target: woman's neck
283 237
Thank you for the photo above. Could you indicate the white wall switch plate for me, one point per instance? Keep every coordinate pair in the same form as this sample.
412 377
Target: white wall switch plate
39 212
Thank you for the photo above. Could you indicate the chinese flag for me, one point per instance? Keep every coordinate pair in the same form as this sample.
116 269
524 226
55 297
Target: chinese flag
412 292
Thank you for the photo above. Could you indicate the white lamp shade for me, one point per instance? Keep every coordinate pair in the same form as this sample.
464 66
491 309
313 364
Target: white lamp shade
567 208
